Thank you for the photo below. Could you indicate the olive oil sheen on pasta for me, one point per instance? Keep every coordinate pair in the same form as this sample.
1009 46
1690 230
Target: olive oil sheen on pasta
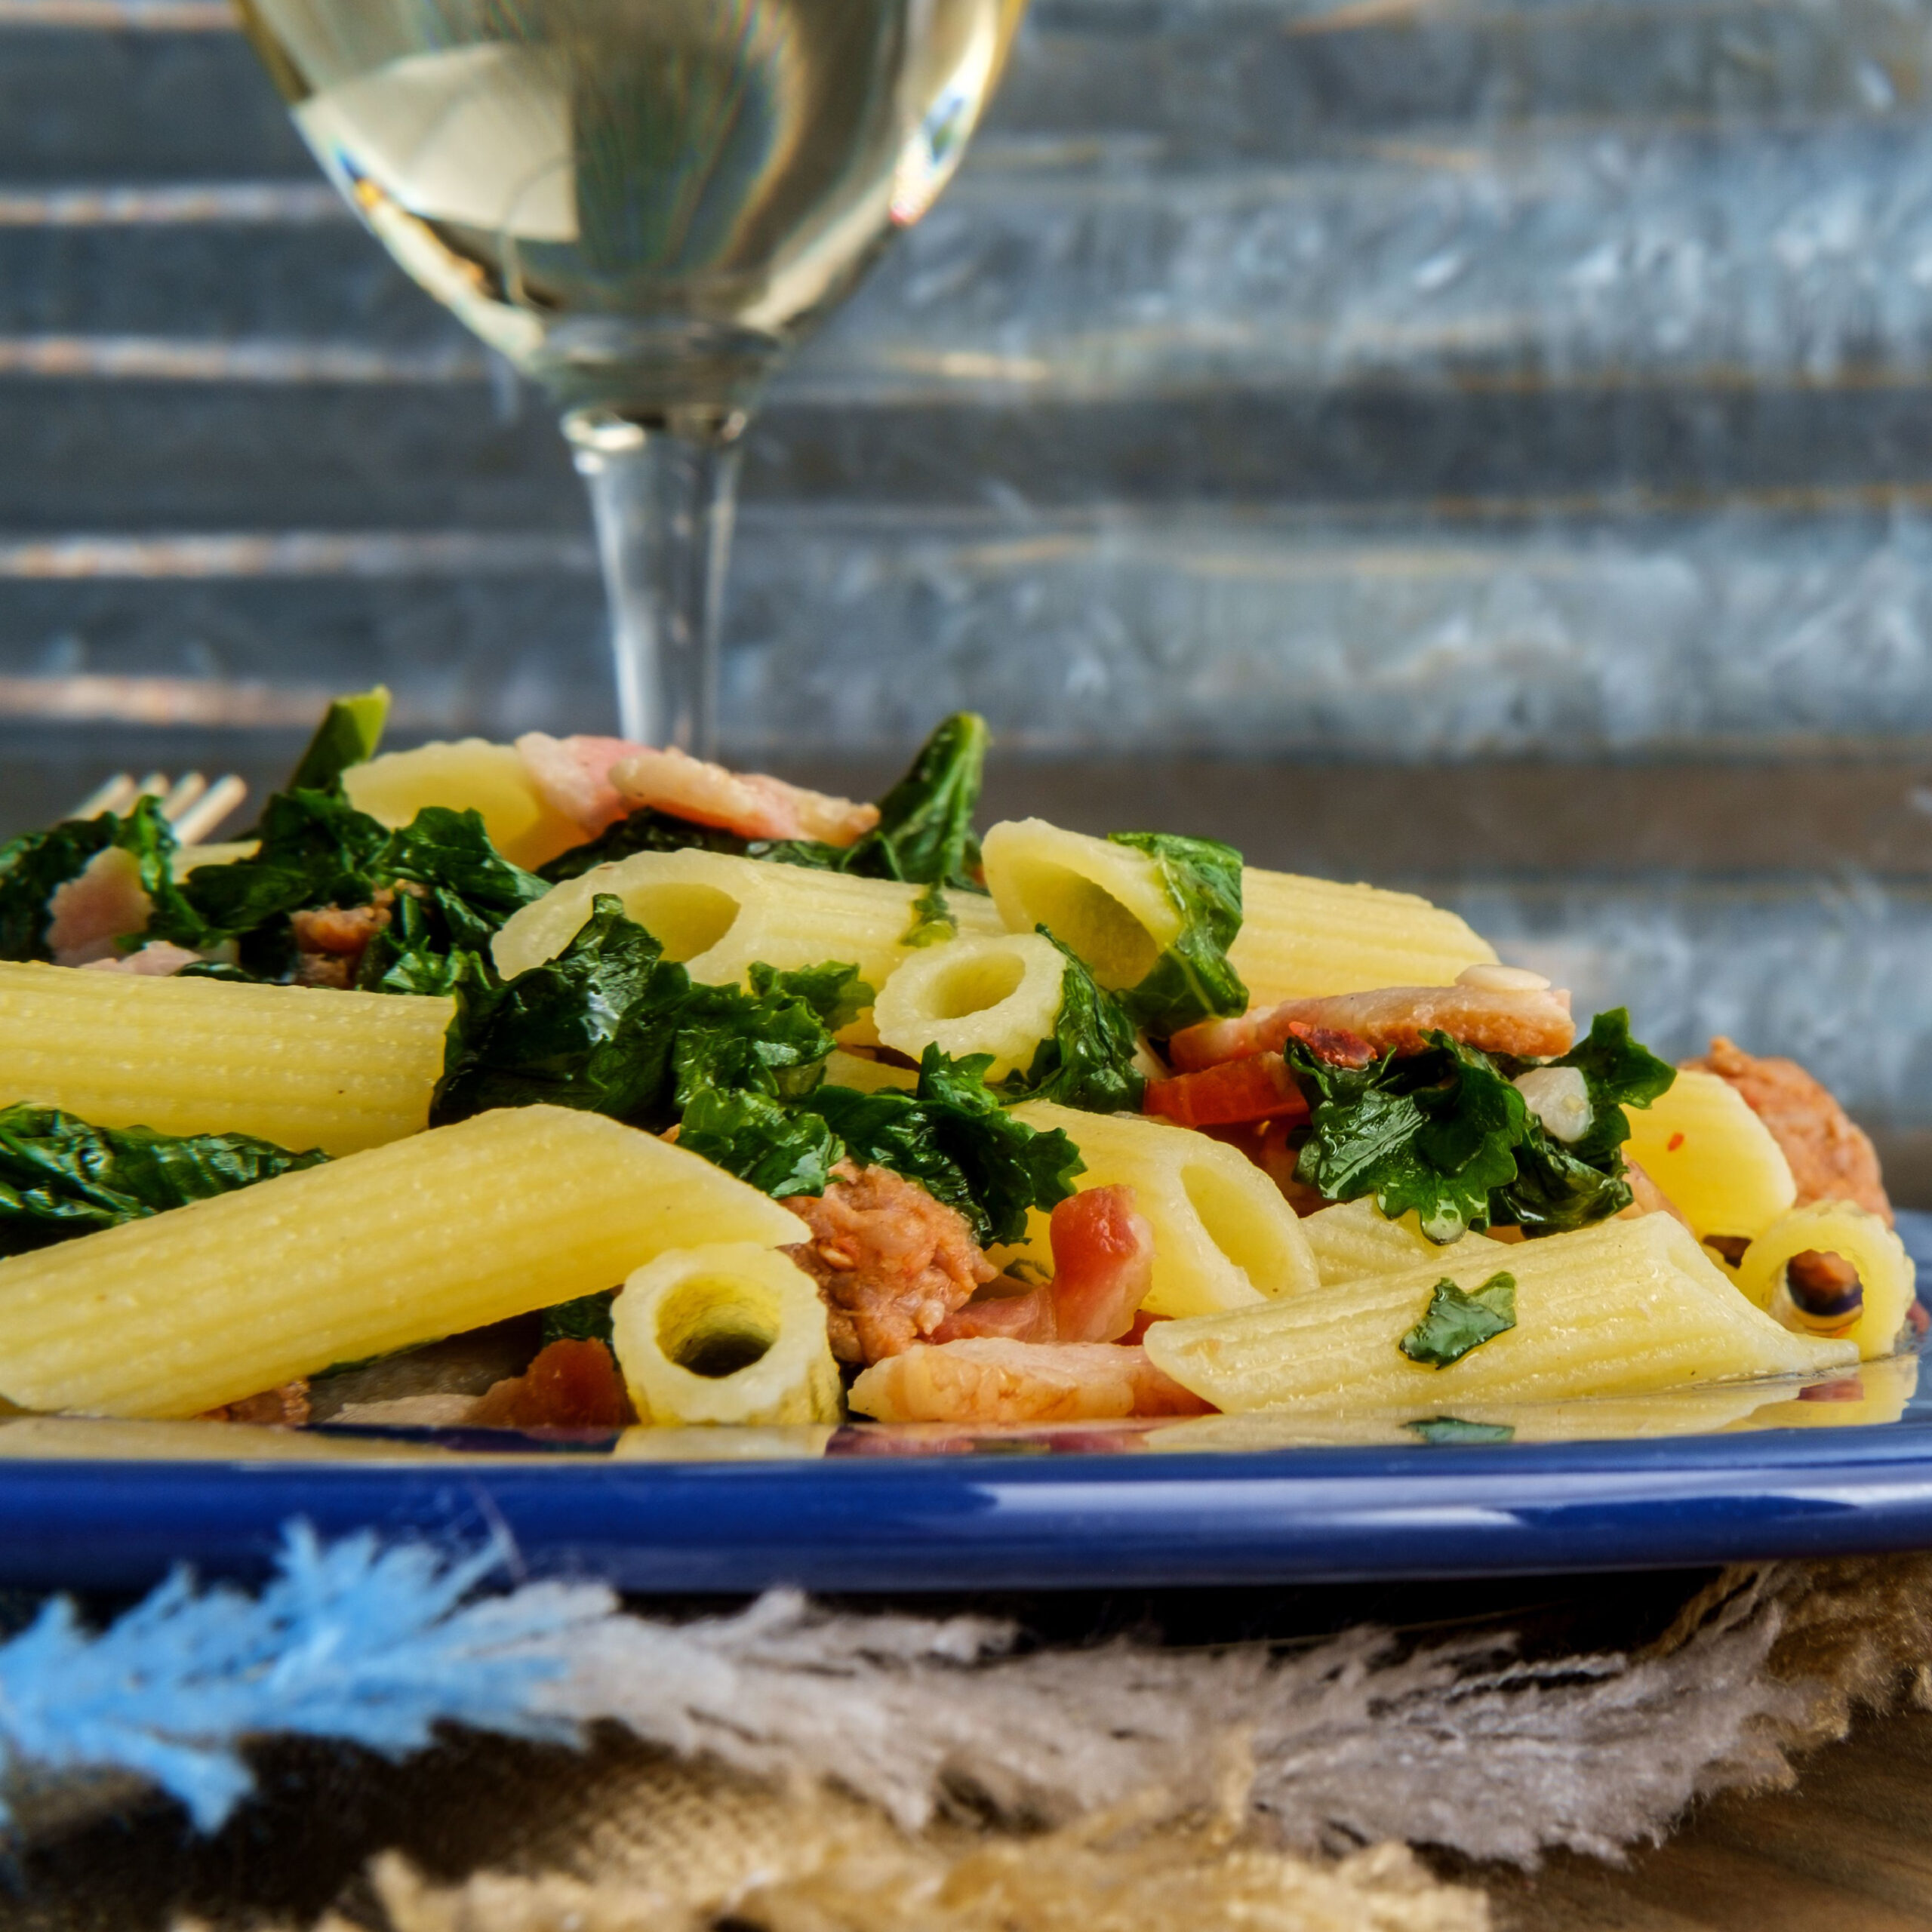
639 202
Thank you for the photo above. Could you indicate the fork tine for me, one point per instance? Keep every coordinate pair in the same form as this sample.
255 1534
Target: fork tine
153 786
201 817
114 795
182 794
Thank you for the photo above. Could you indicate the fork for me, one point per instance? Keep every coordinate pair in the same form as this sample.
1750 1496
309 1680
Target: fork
190 804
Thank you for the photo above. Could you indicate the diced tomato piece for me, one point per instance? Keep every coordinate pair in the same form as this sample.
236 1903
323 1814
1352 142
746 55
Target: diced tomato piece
1259 1087
1103 1264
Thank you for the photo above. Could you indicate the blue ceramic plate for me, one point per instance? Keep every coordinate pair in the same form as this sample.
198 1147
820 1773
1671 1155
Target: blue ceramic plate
1702 1475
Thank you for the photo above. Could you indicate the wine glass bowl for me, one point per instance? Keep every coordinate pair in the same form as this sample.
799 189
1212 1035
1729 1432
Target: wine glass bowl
642 204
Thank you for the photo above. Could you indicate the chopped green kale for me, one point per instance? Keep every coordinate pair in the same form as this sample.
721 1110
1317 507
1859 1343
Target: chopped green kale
1193 979
586 1319
1457 1322
1435 1131
33 867
1453 1429
932 922
1088 1062
1561 1185
60 1177
592 1028
350 730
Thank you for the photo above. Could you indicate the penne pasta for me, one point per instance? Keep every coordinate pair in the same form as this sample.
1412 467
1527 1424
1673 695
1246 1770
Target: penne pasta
300 1066
1224 1235
1355 1238
1300 938
1714 1159
470 775
1886 1276
1623 1309
729 1332
1304 938
1106 902
867 1076
720 916
447 1231
998 996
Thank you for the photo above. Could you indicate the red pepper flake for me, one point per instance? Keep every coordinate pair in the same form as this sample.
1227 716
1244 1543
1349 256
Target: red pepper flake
1676 1141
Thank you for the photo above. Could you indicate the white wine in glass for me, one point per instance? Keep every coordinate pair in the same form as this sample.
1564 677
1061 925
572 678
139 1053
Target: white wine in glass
642 204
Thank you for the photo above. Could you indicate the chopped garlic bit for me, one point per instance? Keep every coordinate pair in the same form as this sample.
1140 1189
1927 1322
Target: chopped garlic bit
1559 1098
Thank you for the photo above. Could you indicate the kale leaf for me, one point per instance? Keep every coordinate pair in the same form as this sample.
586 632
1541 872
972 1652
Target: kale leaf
924 833
1458 1321
1435 1131
592 1028
60 1177
933 921
951 1135
586 1319
1192 980
1088 1062
314 849
350 730
1562 1185
778 1149
1452 1429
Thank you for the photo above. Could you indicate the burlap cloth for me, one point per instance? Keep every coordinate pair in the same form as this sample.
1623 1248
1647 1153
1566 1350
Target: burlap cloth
1302 1770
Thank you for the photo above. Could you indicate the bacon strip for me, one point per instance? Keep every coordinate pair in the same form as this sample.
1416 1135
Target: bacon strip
572 775
104 902
1103 1269
1259 1087
571 1385
986 1380
748 803
1532 1023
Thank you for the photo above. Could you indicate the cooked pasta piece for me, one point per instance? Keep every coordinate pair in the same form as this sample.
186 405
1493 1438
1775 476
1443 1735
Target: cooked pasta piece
1886 1276
303 1068
1223 1236
449 1230
471 775
1623 1309
998 996
868 1076
1305 938
720 916
729 1332
1107 902
1715 1161
1299 937
1356 1239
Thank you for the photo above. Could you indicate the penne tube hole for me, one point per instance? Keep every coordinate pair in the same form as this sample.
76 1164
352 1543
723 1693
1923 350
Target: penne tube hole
971 986
685 918
714 1326
1117 949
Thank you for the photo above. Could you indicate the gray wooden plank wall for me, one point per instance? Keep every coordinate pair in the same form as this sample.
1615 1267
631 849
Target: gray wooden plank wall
1480 443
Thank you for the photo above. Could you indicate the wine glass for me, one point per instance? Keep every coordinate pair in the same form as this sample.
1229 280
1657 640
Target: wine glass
643 203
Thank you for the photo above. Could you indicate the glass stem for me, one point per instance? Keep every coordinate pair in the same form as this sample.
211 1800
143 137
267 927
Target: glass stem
663 496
